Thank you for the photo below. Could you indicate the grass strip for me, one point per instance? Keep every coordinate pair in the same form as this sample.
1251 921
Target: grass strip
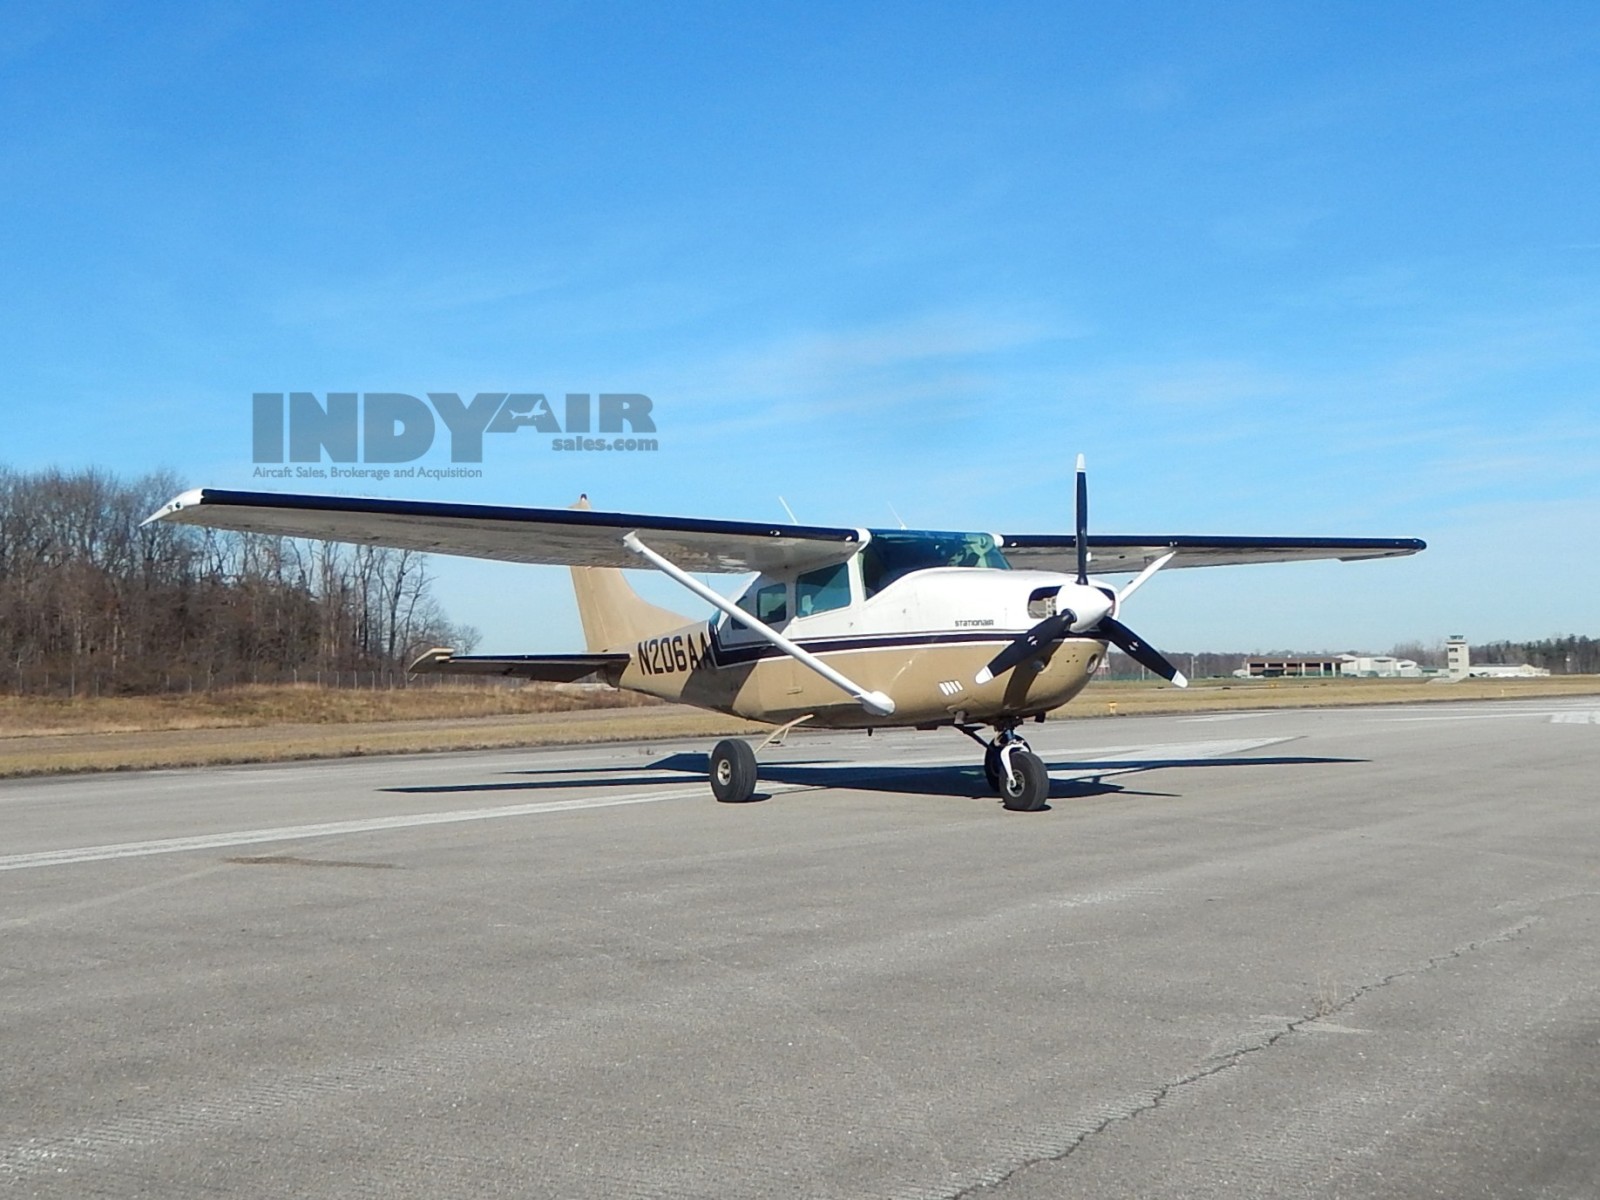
277 724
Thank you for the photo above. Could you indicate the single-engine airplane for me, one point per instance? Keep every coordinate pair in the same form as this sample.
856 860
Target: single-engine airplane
841 628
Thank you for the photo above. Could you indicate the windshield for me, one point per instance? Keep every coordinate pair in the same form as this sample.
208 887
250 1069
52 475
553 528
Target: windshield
895 552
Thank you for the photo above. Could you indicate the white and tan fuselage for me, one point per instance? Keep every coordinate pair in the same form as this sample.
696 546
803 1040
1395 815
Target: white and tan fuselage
922 641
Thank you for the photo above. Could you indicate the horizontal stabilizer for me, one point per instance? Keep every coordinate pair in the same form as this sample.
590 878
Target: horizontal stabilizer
547 668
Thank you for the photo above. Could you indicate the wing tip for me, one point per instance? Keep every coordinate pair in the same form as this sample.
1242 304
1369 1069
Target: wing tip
432 660
176 505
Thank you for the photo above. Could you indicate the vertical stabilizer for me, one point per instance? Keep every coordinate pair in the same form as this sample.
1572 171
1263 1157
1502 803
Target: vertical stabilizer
614 617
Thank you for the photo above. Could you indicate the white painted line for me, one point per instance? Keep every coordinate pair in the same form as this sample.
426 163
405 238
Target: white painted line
1498 715
289 833
1575 718
1182 750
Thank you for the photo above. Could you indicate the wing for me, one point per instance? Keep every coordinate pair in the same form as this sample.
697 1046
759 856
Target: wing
561 536
548 668
1110 553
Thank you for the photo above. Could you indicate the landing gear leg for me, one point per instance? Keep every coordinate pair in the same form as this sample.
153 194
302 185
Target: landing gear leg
732 765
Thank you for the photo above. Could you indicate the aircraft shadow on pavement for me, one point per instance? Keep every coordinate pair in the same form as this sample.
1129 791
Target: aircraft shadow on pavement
942 779
923 779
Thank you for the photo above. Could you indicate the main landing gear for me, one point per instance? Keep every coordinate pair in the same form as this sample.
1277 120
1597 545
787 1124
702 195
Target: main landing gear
733 771
732 765
1012 768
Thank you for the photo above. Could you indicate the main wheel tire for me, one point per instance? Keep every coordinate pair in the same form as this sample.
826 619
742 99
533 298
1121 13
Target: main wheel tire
1029 785
732 768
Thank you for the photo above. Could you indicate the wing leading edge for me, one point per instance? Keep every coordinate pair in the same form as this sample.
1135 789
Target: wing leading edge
590 538
556 536
1113 553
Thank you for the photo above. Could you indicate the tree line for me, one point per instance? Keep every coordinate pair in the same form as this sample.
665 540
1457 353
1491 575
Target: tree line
92 601
1569 655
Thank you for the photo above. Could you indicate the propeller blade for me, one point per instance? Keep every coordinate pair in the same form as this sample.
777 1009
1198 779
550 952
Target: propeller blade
1081 540
1042 634
1131 644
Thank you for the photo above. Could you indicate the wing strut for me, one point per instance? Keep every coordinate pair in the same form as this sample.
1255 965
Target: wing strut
1138 581
874 702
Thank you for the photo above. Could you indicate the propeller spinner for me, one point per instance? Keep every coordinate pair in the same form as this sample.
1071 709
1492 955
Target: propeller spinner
1095 616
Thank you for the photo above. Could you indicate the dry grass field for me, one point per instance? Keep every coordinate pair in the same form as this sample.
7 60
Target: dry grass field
272 723
268 723
296 704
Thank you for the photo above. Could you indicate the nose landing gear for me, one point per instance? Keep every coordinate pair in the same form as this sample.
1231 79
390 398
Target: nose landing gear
1012 768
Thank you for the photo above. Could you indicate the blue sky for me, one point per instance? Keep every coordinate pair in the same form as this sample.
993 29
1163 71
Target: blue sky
1275 269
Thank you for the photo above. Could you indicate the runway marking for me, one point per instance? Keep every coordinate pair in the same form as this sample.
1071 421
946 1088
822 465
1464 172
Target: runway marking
1553 714
1155 751
289 833
1591 717
1109 760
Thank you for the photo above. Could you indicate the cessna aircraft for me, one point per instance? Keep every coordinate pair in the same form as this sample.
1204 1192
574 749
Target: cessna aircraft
841 628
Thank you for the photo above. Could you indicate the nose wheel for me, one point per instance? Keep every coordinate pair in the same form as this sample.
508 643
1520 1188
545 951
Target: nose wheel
1013 770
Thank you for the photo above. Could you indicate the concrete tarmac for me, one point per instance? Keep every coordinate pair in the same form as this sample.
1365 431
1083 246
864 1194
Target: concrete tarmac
1328 953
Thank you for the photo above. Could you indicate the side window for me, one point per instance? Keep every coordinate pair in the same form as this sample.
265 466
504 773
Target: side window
822 589
772 603
769 604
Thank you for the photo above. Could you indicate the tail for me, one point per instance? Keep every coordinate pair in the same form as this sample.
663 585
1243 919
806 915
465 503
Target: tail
613 615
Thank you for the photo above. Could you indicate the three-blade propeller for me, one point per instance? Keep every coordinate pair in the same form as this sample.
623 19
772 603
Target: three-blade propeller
1040 636
1096 620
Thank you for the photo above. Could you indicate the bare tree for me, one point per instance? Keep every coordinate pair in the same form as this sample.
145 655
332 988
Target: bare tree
90 598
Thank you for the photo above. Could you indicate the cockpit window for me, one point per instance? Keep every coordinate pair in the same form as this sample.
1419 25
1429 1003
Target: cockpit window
894 553
769 604
822 589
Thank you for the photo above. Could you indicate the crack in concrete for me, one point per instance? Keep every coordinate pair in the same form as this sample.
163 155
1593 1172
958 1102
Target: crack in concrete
1238 1055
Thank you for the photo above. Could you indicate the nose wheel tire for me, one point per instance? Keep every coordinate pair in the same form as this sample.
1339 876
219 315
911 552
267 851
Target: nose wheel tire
732 769
1028 786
